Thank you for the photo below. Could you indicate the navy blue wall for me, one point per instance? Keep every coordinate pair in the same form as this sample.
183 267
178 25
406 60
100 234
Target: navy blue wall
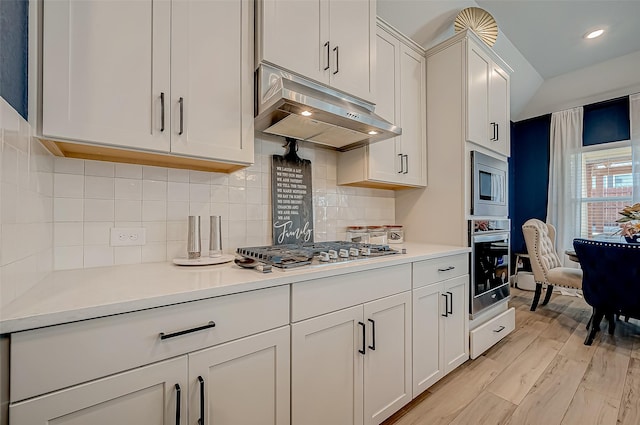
14 53
605 122
529 175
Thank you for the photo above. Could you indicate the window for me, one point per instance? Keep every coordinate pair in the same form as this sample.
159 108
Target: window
607 187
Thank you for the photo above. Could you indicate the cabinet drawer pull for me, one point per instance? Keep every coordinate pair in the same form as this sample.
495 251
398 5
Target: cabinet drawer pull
450 311
406 169
178 391
211 324
497 132
500 329
201 419
446 269
162 111
328 54
181 102
364 339
335 49
401 164
373 335
446 305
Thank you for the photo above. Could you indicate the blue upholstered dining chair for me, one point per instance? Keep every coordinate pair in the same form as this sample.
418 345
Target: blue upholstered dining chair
611 281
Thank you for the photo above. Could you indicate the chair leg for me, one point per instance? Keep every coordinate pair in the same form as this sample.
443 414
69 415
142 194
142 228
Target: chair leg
595 326
536 296
612 322
547 296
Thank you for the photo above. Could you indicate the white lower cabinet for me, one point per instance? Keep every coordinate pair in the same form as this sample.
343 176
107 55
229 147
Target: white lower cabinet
244 382
147 395
440 321
352 366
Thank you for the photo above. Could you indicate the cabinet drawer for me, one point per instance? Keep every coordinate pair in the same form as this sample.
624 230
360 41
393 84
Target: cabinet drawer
319 296
47 359
439 269
491 332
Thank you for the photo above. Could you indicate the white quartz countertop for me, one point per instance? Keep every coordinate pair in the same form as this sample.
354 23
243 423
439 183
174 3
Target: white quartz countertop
71 295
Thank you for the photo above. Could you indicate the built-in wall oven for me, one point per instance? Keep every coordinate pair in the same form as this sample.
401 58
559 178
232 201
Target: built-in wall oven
490 249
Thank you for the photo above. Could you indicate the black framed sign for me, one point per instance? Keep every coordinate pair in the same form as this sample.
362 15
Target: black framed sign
292 213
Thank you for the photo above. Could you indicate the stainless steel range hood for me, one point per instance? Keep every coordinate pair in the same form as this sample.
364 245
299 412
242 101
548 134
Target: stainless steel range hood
291 106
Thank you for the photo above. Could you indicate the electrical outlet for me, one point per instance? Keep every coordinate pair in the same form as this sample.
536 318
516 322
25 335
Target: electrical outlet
128 236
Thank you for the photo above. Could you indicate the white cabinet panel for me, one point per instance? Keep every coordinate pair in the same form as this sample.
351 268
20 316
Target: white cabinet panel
106 65
329 41
387 363
210 44
327 369
145 396
246 382
456 323
427 368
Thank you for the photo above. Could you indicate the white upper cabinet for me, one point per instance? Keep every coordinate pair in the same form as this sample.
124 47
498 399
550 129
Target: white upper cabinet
329 41
106 71
488 120
401 99
161 76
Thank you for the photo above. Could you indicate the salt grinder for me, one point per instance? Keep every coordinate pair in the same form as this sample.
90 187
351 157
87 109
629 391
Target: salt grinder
215 236
193 237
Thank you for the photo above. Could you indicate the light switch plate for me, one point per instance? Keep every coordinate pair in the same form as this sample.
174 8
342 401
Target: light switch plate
128 236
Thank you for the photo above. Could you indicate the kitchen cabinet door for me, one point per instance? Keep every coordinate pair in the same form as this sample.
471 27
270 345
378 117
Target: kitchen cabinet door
413 104
326 369
478 72
385 156
387 362
352 32
499 113
211 79
456 325
428 305
245 382
106 71
144 396
295 36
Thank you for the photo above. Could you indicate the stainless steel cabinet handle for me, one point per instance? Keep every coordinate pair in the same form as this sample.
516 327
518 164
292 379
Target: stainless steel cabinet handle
328 54
364 338
500 329
446 305
201 419
211 324
401 164
181 102
497 132
335 49
373 335
178 391
406 169
450 311
495 137
446 269
162 111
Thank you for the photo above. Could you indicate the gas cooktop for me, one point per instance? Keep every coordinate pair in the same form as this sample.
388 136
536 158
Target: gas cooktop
296 255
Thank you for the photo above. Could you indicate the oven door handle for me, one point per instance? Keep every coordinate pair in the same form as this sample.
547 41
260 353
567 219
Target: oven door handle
493 237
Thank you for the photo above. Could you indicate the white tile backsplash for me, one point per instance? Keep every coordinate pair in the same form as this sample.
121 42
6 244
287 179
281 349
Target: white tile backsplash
26 205
76 202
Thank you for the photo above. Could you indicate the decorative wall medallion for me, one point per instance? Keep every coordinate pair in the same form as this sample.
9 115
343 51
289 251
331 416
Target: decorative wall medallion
480 21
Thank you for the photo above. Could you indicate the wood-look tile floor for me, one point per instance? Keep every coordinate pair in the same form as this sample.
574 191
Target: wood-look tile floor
541 373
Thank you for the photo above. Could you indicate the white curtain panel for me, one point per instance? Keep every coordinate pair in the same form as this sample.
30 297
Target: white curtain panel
634 117
563 210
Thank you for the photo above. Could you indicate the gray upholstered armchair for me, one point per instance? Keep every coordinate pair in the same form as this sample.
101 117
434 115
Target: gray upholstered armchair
545 263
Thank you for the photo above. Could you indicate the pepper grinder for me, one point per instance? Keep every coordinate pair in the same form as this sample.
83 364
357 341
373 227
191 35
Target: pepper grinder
193 237
215 236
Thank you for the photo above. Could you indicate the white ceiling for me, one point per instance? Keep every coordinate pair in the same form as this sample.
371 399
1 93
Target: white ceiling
540 39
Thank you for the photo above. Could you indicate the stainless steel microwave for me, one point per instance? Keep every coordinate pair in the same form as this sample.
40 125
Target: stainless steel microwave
489 181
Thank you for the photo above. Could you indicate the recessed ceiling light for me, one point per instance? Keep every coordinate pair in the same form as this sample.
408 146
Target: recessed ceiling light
373 132
305 113
594 33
